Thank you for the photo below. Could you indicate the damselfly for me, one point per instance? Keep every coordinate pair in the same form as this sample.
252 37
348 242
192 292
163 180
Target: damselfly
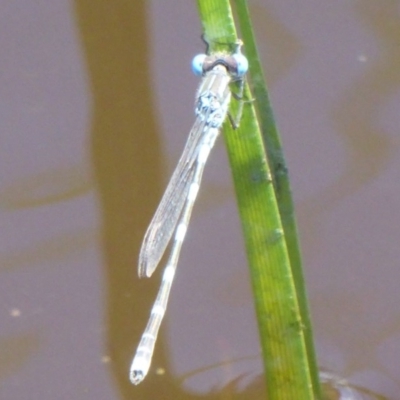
172 216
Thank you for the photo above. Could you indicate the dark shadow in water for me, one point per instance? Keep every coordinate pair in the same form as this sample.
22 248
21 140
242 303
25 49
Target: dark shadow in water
127 171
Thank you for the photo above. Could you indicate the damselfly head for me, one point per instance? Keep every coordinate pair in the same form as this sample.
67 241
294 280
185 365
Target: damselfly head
236 63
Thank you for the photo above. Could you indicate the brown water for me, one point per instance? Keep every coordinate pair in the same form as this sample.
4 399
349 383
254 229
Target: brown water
97 100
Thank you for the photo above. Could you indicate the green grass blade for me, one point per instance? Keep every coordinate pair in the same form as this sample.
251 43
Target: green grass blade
278 311
279 171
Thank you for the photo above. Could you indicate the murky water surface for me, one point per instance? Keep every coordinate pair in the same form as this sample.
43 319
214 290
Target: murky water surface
97 100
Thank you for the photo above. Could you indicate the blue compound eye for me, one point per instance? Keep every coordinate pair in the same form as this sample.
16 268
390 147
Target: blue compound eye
242 63
197 64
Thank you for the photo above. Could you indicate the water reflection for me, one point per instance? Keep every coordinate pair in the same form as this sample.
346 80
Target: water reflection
336 388
48 251
356 114
51 186
52 258
248 386
16 351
